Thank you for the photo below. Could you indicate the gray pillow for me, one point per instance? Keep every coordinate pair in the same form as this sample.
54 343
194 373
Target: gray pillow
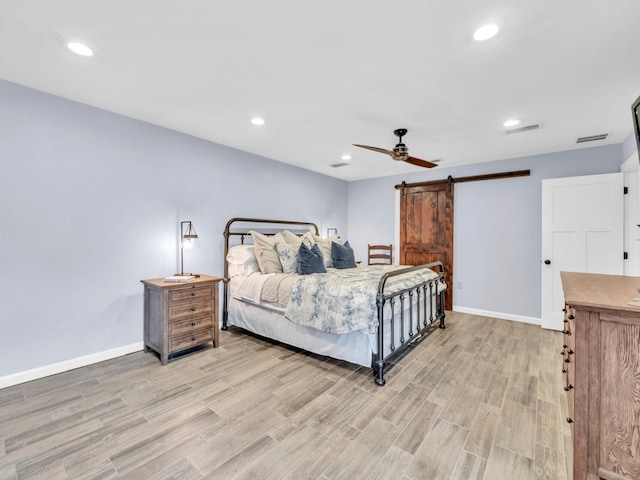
310 260
342 255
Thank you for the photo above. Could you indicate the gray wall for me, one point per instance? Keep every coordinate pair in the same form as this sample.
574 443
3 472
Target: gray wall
497 224
90 203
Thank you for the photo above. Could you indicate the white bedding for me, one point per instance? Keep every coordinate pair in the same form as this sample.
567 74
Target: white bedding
249 311
267 321
257 302
342 301
249 288
339 301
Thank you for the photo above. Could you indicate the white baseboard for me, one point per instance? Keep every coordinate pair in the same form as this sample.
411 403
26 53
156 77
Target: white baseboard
45 371
500 315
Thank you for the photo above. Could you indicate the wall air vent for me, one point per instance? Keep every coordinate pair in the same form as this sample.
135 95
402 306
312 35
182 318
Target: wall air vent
341 164
522 129
592 138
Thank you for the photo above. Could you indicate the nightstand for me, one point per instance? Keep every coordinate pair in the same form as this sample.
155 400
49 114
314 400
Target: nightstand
180 316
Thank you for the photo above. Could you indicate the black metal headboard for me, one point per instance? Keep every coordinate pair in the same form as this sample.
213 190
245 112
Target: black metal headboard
265 226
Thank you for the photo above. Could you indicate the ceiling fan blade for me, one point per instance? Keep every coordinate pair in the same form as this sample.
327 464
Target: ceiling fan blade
420 163
376 149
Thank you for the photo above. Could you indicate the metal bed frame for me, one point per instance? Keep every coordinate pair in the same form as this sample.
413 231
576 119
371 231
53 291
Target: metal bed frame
413 322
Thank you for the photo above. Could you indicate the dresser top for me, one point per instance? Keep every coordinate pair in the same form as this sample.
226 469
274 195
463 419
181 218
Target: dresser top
600 292
159 282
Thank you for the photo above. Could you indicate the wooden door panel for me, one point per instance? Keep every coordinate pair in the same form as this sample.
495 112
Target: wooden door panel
414 213
430 226
426 229
420 258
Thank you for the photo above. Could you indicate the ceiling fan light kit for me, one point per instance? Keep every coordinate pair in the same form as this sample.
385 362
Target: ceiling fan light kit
400 152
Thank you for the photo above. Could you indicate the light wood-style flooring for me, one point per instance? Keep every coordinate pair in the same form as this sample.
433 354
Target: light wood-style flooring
482 399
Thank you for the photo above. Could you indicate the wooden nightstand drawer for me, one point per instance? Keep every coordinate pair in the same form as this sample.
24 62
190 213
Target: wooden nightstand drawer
189 310
193 293
188 326
188 341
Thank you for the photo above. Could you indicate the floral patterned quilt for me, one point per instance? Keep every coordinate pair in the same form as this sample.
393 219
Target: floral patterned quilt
342 301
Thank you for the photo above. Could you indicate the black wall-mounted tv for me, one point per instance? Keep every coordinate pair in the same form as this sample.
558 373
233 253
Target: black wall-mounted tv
635 112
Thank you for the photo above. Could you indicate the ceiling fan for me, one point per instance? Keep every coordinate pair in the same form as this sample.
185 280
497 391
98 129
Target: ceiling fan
400 151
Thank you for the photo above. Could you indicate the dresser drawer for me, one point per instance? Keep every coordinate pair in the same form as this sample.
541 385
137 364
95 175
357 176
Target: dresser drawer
195 292
189 310
568 357
189 326
568 338
187 341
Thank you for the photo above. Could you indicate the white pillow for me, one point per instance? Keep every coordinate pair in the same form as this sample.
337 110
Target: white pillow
239 254
243 270
242 261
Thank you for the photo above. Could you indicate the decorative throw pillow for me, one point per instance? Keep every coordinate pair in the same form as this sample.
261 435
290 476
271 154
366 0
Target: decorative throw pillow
265 250
324 243
308 239
310 260
291 238
342 255
288 255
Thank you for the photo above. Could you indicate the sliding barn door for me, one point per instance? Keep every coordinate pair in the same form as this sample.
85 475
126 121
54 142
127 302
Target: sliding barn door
426 228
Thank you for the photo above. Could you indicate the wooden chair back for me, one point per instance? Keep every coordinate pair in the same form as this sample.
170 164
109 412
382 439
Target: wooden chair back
380 255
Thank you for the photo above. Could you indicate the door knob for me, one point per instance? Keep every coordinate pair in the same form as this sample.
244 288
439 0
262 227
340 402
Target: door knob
547 262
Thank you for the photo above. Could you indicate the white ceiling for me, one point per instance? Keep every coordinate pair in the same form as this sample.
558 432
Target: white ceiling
330 73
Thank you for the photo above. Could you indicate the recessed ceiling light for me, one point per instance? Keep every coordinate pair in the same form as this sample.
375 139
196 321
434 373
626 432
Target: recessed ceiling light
346 156
511 123
257 121
485 32
80 49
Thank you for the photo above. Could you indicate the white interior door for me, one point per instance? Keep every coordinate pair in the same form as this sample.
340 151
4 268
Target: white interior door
582 231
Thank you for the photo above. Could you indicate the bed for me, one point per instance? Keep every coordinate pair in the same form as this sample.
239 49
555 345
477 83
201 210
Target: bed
366 315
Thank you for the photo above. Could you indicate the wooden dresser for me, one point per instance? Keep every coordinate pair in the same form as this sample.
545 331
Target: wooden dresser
179 316
601 366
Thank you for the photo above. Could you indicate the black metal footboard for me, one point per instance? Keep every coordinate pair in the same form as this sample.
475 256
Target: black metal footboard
425 306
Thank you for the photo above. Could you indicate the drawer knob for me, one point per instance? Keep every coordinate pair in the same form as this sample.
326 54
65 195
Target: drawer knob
567 332
193 294
571 352
193 324
567 360
568 387
565 321
564 370
571 317
193 309
193 339
569 420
